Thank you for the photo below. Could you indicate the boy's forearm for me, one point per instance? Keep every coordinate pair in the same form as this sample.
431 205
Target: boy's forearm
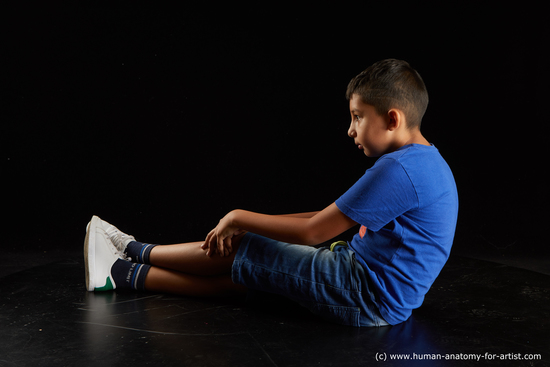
292 228
299 215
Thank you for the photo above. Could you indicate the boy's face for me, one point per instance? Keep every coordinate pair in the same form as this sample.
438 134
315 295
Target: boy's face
368 129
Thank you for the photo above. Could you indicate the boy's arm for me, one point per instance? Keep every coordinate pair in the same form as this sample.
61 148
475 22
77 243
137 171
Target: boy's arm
298 215
300 228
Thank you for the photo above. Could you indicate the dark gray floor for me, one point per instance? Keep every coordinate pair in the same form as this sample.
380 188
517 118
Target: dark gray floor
476 309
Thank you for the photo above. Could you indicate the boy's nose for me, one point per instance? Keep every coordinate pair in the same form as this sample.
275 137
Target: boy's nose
351 131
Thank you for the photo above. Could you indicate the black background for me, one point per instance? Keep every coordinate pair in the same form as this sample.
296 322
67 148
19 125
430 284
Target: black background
162 119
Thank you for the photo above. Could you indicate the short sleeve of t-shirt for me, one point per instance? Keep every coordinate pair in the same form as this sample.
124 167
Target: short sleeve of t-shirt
383 193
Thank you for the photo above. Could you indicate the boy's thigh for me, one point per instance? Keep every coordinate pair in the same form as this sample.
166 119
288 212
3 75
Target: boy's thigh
329 283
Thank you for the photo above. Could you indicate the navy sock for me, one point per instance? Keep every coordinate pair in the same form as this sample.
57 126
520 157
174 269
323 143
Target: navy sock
127 275
139 252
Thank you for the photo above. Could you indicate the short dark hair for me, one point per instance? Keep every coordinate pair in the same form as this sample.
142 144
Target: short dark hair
391 84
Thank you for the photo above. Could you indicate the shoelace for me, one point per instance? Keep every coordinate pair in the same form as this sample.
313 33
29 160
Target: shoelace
118 237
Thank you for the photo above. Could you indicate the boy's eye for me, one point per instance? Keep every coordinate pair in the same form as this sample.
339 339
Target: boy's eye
356 117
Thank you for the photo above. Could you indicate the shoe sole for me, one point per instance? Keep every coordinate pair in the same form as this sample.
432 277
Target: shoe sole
89 253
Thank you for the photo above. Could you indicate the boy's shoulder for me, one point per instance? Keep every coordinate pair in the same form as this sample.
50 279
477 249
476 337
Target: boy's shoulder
419 163
412 153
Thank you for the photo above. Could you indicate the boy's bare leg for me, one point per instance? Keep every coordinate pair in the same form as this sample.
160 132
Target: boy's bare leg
186 270
189 258
174 282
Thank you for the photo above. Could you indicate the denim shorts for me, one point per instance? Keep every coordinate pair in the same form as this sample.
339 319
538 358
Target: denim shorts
330 283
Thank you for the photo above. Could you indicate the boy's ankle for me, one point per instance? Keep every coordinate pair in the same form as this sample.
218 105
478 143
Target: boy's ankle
139 252
128 275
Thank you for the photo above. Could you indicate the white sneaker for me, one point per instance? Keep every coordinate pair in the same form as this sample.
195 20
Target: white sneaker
99 256
117 237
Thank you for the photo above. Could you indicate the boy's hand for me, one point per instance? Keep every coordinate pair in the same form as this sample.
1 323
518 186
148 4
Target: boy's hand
219 239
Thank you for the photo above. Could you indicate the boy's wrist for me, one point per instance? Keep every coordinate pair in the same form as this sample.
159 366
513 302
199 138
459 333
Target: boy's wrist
232 217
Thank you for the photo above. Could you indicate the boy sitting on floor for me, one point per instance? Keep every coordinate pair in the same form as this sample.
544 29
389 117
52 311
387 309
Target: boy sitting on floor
406 206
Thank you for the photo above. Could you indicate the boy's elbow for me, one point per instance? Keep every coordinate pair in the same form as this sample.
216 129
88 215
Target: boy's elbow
313 237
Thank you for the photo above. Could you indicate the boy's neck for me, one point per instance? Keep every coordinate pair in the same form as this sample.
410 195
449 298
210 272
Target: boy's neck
411 137
417 138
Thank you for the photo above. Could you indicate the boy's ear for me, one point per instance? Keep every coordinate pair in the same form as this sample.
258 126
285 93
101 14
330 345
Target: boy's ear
395 119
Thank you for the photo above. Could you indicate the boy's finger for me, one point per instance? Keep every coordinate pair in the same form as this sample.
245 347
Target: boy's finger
228 247
207 240
220 247
205 244
210 244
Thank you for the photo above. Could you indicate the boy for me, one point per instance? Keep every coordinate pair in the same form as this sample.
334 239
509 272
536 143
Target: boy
406 206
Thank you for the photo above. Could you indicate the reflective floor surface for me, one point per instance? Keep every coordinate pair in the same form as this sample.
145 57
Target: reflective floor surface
479 313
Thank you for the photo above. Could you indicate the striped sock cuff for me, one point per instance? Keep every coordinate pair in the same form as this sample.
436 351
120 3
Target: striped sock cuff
128 275
145 252
138 277
139 252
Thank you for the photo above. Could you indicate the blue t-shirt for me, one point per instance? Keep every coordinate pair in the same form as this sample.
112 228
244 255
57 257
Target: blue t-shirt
407 205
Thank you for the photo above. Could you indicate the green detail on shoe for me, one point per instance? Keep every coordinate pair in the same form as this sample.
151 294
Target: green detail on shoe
107 287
